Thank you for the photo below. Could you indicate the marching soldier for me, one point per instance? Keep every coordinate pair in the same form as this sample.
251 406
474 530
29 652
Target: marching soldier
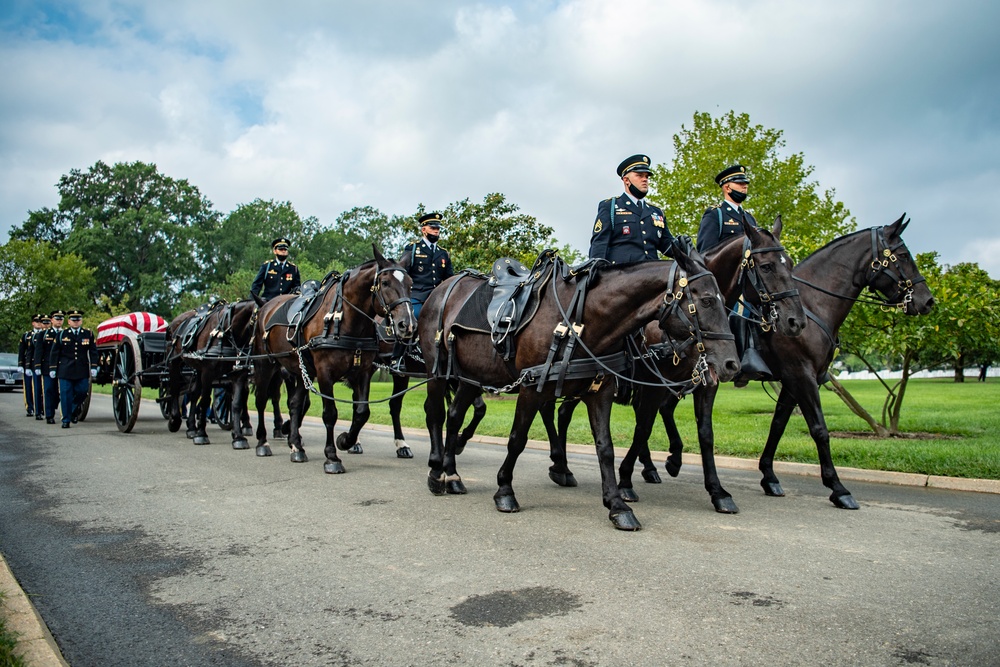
43 348
430 264
627 228
73 359
38 385
25 363
724 221
277 276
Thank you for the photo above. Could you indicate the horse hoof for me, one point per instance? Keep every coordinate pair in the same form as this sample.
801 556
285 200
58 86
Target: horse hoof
672 468
201 440
456 488
334 468
845 502
562 479
460 446
356 449
190 433
625 520
342 442
773 489
436 485
174 425
299 456
507 504
263 450
404 453
247 430
241 444
628 494
285 428
277 434
652 477
725 506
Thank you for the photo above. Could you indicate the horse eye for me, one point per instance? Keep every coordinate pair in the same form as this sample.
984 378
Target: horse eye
767 268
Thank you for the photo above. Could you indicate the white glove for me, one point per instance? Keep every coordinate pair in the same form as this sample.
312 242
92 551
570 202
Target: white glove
52 374
93 372
27 372
20 369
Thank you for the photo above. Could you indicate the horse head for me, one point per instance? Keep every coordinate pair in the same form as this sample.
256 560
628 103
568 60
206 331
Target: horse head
769 284
894 273
694 308
391 291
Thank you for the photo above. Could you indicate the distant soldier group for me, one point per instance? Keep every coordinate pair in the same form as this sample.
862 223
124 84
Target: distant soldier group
58 365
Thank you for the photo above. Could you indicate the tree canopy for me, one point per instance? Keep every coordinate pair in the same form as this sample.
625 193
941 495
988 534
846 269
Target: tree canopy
686 187
478 234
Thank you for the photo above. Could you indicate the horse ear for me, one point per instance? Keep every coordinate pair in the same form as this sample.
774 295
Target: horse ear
776 229
902 227
896 228
749 230
378 256
256 299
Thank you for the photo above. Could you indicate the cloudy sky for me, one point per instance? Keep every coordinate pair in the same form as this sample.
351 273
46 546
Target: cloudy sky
331 105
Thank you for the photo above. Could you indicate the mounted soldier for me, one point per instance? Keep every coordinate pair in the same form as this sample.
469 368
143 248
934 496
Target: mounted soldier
627 228
430 264
277 276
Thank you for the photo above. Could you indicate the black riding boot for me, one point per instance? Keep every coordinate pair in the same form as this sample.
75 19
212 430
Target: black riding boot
752 365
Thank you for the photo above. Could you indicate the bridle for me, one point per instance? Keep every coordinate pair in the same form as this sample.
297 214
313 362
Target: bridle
767 299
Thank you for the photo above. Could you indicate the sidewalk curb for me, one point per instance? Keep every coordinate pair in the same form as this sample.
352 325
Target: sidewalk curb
34 641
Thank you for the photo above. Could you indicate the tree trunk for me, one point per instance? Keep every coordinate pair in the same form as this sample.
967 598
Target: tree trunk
897 405
857 408
960 368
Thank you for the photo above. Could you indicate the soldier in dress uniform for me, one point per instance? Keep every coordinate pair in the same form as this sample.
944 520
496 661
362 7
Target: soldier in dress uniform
717 224
26 362
724 221
38 385
73 360
277 276
627 228
430 264
43 348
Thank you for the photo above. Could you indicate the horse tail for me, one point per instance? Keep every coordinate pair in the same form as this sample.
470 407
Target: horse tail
626 392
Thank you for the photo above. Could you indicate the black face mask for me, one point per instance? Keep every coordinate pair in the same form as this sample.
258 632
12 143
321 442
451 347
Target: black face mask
737 196
433 238
635 192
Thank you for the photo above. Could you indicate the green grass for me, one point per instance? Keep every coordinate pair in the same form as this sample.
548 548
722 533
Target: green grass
964 417
9 655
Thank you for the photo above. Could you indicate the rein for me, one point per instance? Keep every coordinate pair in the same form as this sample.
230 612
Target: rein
749 274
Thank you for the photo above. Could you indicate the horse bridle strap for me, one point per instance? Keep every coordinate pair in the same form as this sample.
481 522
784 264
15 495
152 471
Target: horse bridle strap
748 272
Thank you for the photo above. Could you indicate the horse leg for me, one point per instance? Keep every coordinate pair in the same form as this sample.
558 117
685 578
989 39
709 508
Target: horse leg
399 385
359 416
297 405
524 414
704 400
478 412
263 373
599 412
559 471
239 407
812 410
464 396
280 426
176 382
199 408
782 413
645 402
434 417
333 465
675 458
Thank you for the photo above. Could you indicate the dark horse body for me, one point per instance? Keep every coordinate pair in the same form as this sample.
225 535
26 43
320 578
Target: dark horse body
210 350
830 281
620 300
764 279
339 345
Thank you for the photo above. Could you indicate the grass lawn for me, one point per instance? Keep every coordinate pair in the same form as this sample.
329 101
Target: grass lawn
964 419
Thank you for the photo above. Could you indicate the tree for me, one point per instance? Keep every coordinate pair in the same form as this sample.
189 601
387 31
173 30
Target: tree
134 226
779 185
36 278
478 234
349 242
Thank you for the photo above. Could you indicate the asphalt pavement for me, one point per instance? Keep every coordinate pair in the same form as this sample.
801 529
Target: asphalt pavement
144 549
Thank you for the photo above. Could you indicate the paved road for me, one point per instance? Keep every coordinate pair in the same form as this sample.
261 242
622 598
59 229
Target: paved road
144 549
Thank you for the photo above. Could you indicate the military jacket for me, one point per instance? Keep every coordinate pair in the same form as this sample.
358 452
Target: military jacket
720 223
626 232
26 350
43 348
273 280
428 268
73 355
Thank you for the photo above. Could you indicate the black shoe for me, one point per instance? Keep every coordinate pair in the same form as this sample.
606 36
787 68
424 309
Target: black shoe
39 417
65 424
29 414
50 420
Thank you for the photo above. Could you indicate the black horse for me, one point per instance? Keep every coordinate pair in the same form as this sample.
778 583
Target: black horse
830 281
209 341
590 331
755 267
334 342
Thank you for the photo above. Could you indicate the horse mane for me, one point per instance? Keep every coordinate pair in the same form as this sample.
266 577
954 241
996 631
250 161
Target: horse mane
835 242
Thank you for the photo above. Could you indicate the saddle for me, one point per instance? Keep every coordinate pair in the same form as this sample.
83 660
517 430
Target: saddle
505 303
293 313
189 330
